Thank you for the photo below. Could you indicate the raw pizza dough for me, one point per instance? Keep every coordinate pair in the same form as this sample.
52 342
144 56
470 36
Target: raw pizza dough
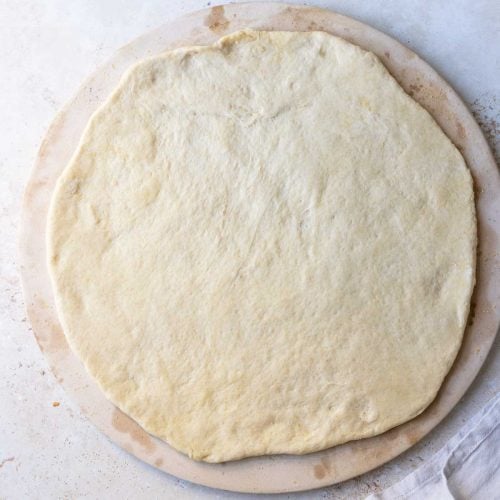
264 246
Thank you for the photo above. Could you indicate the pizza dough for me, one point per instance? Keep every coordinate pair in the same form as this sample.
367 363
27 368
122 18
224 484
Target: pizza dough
264 246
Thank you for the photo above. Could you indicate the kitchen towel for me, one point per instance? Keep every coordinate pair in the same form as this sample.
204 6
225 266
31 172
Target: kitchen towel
467 467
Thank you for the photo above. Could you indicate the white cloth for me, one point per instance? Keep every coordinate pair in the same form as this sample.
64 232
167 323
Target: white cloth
467 467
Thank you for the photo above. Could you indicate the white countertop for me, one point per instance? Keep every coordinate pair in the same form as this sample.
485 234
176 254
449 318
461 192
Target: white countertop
46 50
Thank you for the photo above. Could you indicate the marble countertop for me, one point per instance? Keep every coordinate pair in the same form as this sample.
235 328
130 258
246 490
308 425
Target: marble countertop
47 447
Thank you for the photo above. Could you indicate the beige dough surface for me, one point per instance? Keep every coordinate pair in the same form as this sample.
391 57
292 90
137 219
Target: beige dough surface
264 246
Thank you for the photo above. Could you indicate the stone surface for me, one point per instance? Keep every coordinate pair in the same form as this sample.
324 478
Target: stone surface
47 448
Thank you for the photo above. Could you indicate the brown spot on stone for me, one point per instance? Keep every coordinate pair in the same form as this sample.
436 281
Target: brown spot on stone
159 462
319 471
435 94
56 403
387 54
323 468
414 89
413 436
461 131
300 18
216 21
124 424
51 337
57 338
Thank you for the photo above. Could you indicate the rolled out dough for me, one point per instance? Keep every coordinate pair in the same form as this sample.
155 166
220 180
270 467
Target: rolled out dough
264 246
